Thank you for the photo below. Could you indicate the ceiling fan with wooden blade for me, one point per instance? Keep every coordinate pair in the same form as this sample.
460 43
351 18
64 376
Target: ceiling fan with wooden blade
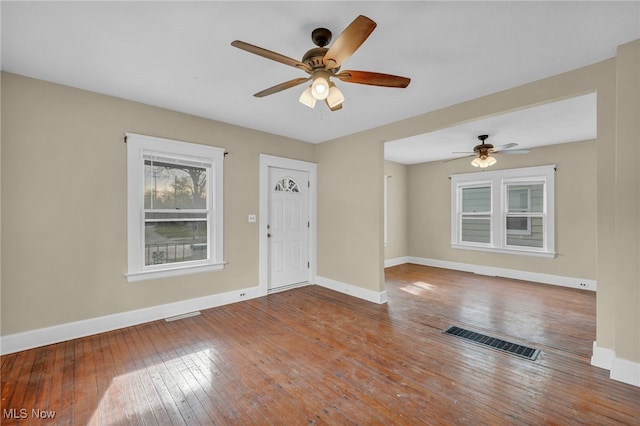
484 151
322 63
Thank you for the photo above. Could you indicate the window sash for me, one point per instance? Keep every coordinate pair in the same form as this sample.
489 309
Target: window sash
518 231
476 192
478 229
155 219
173 170
532 238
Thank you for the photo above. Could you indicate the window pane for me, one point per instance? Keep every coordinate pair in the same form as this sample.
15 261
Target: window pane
525 198
519 225
533 238
174 186
476 199
175 240
476 229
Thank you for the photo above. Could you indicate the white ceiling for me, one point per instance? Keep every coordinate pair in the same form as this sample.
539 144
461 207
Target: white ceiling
563 121
177 55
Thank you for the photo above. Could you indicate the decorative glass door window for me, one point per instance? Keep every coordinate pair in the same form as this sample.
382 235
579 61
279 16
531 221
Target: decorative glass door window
287 185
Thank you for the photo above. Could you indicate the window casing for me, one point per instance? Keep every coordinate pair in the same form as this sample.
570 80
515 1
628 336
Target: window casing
175 223
510 211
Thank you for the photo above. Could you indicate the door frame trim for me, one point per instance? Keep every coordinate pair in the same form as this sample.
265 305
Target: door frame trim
267 161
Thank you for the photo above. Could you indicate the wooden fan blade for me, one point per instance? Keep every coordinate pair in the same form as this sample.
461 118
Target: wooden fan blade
280 87
270 55
349 41
373 78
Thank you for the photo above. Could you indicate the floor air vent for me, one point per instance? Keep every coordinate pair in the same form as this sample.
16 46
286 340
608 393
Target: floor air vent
494 343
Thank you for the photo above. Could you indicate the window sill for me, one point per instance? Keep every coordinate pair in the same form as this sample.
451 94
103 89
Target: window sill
547 254
174 272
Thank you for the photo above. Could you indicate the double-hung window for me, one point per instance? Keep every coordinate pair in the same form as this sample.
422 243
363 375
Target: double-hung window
509 211
174 207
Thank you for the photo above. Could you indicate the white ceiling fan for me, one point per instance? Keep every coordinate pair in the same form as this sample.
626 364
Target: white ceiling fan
484 151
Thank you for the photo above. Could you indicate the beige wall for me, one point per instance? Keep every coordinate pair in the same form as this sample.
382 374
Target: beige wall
627 208
429 209
350 207
64 247
397 219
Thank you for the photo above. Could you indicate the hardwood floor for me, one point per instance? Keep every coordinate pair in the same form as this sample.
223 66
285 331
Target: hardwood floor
314 356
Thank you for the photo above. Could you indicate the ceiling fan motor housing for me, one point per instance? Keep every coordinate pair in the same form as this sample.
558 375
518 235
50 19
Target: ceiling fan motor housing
314 57
484 149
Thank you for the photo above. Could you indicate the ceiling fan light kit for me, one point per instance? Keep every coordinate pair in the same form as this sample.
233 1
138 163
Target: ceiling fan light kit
307 98
335 97
484 162
322 63
320 85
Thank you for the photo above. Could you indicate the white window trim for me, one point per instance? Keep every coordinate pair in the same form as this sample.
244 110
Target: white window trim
137 147
386 209
499 179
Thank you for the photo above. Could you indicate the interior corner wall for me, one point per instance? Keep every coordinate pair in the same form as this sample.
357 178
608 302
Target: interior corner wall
64 213
350 212
397 231
627 206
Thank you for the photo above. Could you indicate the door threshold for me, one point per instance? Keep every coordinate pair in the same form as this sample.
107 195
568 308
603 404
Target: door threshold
287 287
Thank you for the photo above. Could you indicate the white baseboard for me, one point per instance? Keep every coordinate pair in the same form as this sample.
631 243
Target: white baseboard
602 357
580 283
352 290
626 371
620 369
396 261
60 333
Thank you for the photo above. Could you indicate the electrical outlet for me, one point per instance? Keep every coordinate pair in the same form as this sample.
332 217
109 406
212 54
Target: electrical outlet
252 218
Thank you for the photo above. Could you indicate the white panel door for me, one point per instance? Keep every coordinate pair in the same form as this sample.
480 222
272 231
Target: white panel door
288 227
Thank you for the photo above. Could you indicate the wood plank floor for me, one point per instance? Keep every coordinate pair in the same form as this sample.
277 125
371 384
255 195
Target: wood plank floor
314 356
